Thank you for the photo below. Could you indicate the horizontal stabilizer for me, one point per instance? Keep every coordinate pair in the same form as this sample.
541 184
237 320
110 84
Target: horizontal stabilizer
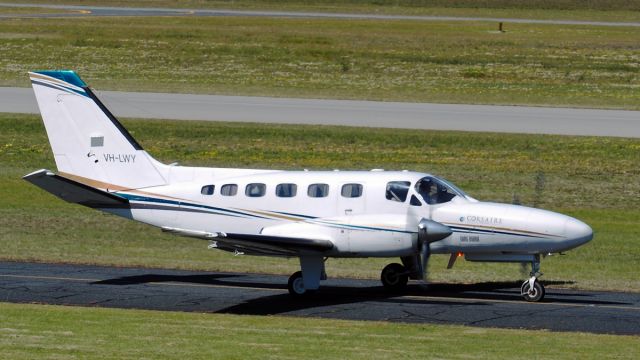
73 191
257 244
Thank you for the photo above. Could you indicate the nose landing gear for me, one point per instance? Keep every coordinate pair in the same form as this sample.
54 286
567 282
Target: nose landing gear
532 290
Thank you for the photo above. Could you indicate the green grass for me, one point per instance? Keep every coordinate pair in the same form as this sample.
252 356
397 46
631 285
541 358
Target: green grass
582 66
600 10
30 10
595 179
55 332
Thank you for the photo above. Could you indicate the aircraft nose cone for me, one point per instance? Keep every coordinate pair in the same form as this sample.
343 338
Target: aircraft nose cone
577 232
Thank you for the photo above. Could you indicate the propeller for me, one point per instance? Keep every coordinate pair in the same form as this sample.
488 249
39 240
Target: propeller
429 231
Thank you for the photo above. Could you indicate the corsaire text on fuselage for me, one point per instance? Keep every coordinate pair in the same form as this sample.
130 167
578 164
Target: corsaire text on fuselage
121 158
484 219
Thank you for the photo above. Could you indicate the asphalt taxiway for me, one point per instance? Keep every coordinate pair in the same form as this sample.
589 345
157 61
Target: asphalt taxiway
87 10
484 305
506 119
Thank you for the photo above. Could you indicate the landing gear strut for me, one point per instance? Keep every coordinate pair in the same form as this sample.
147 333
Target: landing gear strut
394 277
532 290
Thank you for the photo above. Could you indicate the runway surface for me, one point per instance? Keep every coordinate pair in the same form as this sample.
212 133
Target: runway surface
509 119
484 305
82 10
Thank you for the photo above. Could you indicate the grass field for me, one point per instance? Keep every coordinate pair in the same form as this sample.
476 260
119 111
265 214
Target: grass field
602 10
55 332
582 66
595 179
25 10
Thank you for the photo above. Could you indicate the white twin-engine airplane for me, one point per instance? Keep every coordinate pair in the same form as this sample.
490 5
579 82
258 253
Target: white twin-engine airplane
312 215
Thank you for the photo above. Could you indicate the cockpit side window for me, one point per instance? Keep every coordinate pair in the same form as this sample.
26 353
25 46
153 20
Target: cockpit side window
434 191
397 190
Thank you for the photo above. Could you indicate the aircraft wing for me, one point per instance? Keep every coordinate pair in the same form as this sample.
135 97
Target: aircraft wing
257 244
73 191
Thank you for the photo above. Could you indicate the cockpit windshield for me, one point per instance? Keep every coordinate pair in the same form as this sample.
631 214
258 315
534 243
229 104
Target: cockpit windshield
437 191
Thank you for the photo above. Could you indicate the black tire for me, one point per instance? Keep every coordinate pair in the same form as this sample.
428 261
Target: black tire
296 285
532 295
394 277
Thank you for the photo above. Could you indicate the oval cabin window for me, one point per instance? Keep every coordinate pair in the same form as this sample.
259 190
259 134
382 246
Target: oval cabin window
207 190
229 190
318 190
255 190
351 190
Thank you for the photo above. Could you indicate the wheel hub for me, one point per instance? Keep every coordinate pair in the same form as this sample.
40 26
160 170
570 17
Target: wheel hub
298 286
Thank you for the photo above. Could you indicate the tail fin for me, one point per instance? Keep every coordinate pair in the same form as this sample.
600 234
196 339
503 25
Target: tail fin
88 142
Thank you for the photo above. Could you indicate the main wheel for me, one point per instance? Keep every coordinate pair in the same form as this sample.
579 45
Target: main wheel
296 285
534 294
394 277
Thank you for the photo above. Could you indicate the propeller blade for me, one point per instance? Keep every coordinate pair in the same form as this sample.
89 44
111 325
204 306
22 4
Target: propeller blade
424 260
429 231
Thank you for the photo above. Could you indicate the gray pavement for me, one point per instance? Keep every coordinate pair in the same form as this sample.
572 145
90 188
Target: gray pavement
82 10
508 119
483 305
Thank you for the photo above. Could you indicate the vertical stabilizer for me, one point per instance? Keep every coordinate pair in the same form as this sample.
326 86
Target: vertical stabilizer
88 142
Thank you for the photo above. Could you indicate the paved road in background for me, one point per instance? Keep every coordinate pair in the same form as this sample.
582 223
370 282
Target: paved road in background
510 119
484 305
81 10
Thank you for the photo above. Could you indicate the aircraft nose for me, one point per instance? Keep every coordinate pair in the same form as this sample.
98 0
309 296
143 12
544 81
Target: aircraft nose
577 232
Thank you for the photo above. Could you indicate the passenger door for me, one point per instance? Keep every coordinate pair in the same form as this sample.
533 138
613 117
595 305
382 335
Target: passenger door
351 199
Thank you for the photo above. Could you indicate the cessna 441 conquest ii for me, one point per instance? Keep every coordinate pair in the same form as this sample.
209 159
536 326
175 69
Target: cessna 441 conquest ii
312 215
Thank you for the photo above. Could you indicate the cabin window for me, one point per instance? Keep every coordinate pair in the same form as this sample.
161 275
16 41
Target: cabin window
255 190
207 190
351 190
286 190
397 190
414 201
229 190
318 190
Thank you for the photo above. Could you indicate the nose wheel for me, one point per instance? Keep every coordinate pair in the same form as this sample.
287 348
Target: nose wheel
532 290
394 277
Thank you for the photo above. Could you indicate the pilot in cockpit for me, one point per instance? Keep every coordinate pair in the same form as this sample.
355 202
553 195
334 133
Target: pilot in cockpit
433 192
427 189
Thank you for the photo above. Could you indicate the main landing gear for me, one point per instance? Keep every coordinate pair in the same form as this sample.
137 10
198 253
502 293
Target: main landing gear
306 282
296 285
394 277
532 290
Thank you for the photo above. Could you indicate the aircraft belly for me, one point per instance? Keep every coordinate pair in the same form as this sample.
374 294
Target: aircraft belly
380 243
